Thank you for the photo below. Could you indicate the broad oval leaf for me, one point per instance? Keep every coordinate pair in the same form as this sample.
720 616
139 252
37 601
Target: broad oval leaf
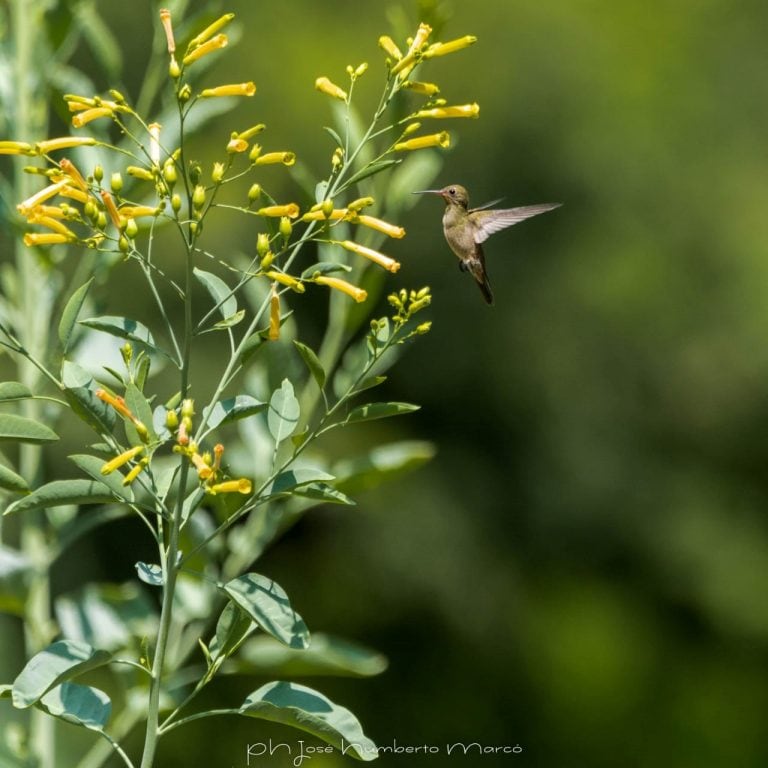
231 321
11 481
266 602
312 362
372 411
79 705
371 170
13 390
233 408
220 292
324 268
79 388
324 492
59 662
24 430
283 415
124 328
92 465
140 407
293 478
70 313
308 710
61 492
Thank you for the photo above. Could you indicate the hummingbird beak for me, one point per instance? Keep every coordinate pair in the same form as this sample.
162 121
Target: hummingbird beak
428 192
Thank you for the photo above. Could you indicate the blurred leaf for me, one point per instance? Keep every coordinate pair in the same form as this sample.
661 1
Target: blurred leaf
301 707
324 492
59 662
151 574
24 430
313 363
372 411
13 390
220 292
370 383
372 170
283 415
231 321
293 478
70 313
79 705
232 409
124 328
92 465
11 481
79 388
327 655
324 268
14 569
380 464
266 602
60 492
106 615
417 172
103 44
335 136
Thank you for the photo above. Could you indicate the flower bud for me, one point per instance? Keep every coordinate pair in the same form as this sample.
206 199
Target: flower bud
254 192
116 182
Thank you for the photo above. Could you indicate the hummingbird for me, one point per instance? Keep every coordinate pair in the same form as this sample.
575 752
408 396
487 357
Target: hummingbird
467 228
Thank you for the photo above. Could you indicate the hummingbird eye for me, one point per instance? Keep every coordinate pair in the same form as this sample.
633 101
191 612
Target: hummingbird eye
452 191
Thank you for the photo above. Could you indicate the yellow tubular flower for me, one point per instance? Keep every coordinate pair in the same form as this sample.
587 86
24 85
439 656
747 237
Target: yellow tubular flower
139 173
378 258
123 458
16 148
360 203
442 139
54 224
214 44
274 314
335 215
324 85
381 226
289 209
465 110
75 194
236 146
441 49
52 211
409 60
63 142
283 279
389 47
82 118
136 211
286 158
234 89
40 197
44 238
251 132
427 89
134 473
165 20
154 142
203 470
243 485
69 168
211 29
358 294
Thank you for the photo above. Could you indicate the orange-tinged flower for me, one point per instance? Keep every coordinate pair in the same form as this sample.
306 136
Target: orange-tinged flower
204 470
69 168
165 20
235 89
358 294
378 258
442 139
109 204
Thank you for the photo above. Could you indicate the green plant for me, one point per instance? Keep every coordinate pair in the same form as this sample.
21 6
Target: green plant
211 496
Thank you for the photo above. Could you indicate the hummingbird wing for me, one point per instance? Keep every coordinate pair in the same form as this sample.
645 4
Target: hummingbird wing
486 205
488 222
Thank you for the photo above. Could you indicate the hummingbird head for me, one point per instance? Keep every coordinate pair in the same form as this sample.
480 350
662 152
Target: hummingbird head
453 194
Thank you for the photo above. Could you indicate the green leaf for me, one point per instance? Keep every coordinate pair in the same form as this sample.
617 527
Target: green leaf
233 408
79 705
139 407
382 463
372 170
150 574
70 313
13 390
61 492
292 478
267 604
324 492
372 411
24 430
220 292
231 321
122 327
312 362
15 568
232 628
79 388
11 481
283 415
327 655
92 465
370 383
252 344
308 710
59 662
335 136
324 268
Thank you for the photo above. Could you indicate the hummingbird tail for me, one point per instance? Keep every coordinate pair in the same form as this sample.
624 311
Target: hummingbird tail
485 289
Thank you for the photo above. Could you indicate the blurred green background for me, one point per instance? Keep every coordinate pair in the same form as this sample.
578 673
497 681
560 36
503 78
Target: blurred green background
582 570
